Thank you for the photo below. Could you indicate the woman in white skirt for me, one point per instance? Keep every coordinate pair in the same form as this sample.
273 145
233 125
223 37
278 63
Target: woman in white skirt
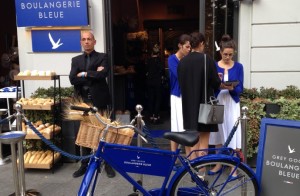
184 48
228 95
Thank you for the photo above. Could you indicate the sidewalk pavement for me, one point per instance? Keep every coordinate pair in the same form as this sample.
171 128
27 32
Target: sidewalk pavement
59 182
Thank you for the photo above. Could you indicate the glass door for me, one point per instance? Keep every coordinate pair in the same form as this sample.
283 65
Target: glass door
221 18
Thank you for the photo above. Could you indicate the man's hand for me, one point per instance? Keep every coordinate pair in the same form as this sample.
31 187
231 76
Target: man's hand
100 68
81 74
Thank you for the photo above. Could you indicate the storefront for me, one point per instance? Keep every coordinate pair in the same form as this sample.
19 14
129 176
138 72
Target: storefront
255 25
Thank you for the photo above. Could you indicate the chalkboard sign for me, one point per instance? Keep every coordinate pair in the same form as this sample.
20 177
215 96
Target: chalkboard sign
278 160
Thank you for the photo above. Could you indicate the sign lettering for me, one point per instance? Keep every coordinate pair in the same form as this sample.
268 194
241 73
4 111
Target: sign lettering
52 13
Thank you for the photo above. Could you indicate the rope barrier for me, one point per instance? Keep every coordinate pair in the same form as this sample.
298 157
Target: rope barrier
3 121
149 137
75 157
54 147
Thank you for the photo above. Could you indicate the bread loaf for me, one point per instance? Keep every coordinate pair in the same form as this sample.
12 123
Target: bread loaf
43 155
31 158
38 123
56 155
47 159
27 157
37 156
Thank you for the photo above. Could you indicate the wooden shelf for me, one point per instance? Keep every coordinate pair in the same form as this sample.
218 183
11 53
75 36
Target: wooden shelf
41 166
35 77
49 107
37 107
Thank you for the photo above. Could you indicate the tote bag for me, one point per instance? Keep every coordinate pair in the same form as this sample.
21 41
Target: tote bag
212 112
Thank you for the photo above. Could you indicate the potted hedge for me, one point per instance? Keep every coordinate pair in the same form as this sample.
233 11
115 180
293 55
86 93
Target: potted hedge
286 101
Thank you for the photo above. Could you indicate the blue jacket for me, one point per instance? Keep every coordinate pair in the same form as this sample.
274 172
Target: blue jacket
174 85
235 73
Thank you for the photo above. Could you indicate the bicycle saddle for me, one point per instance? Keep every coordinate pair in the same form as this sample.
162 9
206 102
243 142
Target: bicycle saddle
186 138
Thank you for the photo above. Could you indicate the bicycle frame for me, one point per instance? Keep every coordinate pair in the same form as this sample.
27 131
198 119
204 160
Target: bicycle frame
151 161
133 160
141 160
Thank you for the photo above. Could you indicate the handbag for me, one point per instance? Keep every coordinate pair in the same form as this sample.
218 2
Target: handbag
211 112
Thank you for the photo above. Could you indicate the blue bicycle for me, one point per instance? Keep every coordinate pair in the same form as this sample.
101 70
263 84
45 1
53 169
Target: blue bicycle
190 179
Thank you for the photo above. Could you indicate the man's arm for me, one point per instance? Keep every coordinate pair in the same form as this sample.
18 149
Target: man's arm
76 77
102 69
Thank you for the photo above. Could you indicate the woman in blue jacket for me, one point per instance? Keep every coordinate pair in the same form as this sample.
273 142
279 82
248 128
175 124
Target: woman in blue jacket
228 95
184 48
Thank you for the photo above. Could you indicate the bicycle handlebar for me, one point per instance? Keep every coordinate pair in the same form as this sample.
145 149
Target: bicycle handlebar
84 109
94 110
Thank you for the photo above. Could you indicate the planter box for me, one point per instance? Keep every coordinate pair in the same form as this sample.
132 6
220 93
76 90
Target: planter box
69 133
271 108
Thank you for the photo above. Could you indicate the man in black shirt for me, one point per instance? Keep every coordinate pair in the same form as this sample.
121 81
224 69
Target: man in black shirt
88 75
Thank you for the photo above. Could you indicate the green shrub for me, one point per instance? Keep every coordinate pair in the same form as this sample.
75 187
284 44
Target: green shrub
288 99
49 92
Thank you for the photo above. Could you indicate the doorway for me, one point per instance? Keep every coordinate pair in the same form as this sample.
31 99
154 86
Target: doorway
137 25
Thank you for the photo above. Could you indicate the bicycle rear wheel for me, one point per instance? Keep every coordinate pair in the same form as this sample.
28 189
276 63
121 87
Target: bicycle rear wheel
219 184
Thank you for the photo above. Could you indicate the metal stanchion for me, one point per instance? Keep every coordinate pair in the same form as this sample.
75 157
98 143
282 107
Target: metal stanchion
3 160
13 138
16 138
139 123
19 115
244 119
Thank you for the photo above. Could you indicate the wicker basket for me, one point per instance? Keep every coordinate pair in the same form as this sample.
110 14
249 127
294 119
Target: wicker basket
89 135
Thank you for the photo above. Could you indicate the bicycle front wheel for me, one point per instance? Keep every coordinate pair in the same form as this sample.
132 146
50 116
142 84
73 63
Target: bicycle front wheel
244 184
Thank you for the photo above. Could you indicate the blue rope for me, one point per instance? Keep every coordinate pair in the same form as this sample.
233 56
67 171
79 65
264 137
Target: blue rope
66 154
3 121
232 132
149 137
54 147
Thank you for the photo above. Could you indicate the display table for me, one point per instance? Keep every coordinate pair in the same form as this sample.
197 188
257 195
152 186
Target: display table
9 93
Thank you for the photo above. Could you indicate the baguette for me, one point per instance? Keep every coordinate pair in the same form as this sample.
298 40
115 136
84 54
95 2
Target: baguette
56 155
47 130
27 157
32 158
50 127
37 156
57 129
38 123
47 158
39 129
43 155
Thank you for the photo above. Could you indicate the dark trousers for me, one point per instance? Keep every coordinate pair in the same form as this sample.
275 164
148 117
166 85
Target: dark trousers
154 99
85 151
